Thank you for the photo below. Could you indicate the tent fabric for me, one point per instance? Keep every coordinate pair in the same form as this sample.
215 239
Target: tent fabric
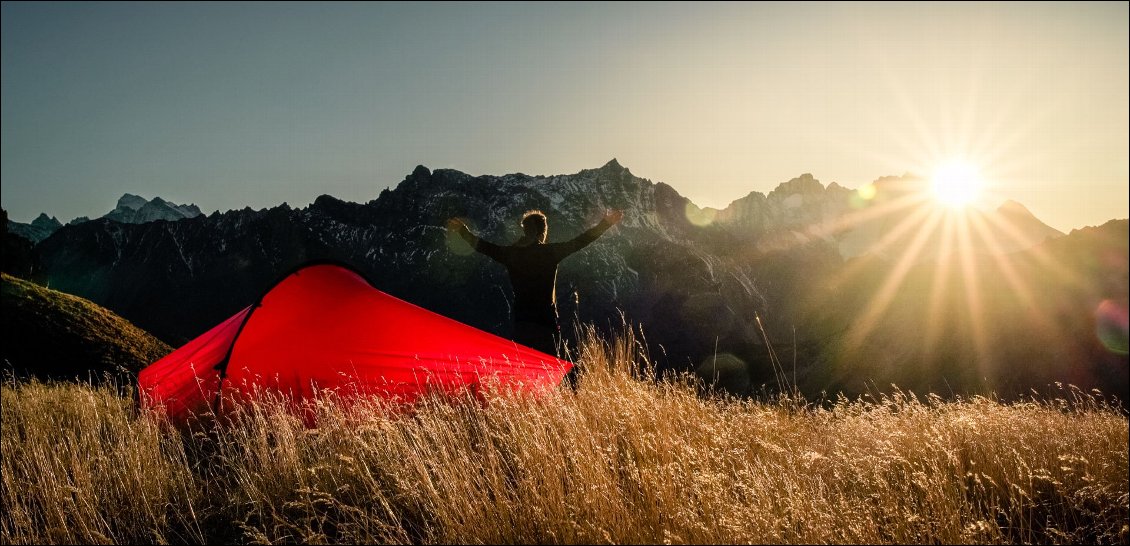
186 380
325 327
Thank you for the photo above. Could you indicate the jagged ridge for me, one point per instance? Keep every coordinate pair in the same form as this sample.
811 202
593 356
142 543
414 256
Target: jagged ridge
131 209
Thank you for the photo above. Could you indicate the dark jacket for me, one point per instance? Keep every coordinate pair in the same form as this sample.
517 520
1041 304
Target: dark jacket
533 270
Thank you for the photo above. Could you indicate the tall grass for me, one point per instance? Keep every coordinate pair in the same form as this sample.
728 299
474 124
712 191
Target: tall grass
78 467
624 459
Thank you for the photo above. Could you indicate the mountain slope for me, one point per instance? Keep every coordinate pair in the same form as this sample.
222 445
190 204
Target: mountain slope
49 334
38 230
17 255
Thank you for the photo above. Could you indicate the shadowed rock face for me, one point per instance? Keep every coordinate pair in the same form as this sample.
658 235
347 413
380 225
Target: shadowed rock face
38 230
132 209
693 278
18 256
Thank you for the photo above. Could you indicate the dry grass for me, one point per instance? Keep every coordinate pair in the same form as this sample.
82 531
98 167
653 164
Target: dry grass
625 459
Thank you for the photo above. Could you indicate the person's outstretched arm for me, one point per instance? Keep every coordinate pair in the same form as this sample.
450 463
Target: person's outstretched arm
581 241
485 247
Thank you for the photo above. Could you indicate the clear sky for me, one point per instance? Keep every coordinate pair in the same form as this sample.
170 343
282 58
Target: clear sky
233 105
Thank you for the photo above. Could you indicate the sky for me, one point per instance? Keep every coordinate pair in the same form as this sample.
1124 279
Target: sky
228 105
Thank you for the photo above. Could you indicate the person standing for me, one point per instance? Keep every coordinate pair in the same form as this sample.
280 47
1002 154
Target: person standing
532 264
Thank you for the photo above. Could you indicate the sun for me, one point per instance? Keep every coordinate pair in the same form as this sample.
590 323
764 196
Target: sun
957 184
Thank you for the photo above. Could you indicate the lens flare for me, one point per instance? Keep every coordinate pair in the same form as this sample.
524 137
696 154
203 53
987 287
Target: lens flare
700 217
862 197
455 244
725 371
1112 326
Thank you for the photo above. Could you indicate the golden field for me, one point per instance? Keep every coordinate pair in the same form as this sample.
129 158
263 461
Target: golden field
624 459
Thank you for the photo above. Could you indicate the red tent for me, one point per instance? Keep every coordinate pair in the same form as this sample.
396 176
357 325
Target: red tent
325 327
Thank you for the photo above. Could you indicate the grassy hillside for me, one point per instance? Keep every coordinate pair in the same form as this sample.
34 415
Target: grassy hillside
622 460
49 334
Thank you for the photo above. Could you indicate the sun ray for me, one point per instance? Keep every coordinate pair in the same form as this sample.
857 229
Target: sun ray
900 230
926 137
881 301
1037 252
1013 278
938 288
968 115
973 301
879 210
1002 153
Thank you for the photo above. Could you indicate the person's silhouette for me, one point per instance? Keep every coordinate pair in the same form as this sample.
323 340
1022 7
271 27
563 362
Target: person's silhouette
532 265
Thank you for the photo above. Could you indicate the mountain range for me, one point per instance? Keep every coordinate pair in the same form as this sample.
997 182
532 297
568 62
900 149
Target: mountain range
716 291
131 209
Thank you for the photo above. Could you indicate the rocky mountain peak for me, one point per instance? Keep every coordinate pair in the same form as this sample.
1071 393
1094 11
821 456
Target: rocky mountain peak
804 184
134 209
613 165
1021 219
39 229
420 174
1013 208
611 170
46 222
326 200
131 202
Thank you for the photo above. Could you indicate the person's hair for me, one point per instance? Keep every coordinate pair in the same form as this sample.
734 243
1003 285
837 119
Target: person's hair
534 225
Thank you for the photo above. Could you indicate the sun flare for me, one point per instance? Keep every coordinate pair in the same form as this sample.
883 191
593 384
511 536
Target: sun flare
957 184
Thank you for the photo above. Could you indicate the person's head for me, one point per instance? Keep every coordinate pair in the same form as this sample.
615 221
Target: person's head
534 225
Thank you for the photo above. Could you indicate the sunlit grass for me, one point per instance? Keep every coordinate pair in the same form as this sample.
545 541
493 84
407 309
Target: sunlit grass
625 459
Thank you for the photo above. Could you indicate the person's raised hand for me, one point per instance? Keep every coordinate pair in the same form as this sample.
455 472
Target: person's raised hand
614 216
455 224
